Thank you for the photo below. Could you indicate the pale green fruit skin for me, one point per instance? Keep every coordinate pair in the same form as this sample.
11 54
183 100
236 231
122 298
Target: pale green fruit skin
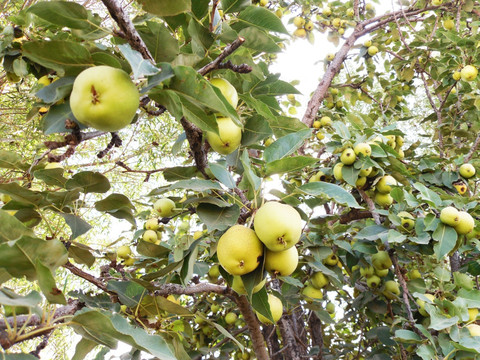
448 24
337 171
391 289
239 250
467 171
124 252
276 308
469 73
367 271
381 273
331 260
150 236
384 185
472 314
229 136
230 318
282 263
312 292
365 172
437 2
325 120
421 304
319 280
239 287
118 98
152 224
330 308
383 199
414 274
465 223
474 329
227 90
373 281
372 50
348 157
299 22
381 260
277 225
164 207
363 148
361 181
5 198
449 216
53 165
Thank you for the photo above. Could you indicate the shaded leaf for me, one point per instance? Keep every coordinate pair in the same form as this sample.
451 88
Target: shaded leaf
10 160
446 238
76 224
166 7
218 218
289 164
117 205
47 284
89 181
222 175
331 191
52 177
262 18
286 145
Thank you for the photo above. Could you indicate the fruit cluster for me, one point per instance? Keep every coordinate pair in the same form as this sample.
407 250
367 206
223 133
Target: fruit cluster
303 26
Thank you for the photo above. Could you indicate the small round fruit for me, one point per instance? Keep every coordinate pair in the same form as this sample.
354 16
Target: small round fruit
330 308
383 199
104 98
407 220
214 272
309 26
367 271
449 216
448 24
457 75
372 50
282 263
465 223
361 181
330 57
367 43
197 234
469 73
319 280
336 23
268 142
227 90
381 260
164 207
366 172
348 157
331 260
215 308
337 171
317 124
414 274
299 22
124 252
311 292
239 287
437 2
363 148
327 11
230 318
384 185
129 262
326 121
373 281
320 136
467 171
150 236
392 290
229 136
44 80
276 308
152 224
277 225
301 33
239 250
461 187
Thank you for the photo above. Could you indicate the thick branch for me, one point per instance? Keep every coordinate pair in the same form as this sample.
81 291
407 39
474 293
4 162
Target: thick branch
194 137
288 336
226 51
177 289
355 214
90 278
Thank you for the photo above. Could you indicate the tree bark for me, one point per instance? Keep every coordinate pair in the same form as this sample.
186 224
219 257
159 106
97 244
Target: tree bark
316 333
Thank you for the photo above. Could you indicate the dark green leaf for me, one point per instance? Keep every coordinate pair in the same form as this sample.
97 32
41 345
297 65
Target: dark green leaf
81 255
139 65
180 173
162 45
89 181
76 224
222 175
260 303
258 40
21 194
218 218
117 205
83 348
289 164
331 191
62 13
372 232
282 125
57 90
52 177
230 6
262 18
255 129
129 292
11 228
428 195
286 145
166 7
48 285
10 160
54 121
407 336
149 249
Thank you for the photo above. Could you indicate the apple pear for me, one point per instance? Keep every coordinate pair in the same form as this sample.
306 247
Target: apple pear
367 271
5 198
414 274
239 250
373 281
124 252
460 187
239 287
448 24
407 220
337 22
367 43
437 2
366 172
381 260
381 273
282 263
150 236
384 185
383 200
277 225
312 293
276 308
467 171
326 121
330 57
230 318
348 157
457 75
469 73
391 140
392 290
227 90
309 26
465 223
319 280
301 33
152 224
361 181
331 260
474 329
129 262
327 11
104 98
372 50
337 171
299 22
449 216
320 136
330 307
363 148
164 207
214 272
229 136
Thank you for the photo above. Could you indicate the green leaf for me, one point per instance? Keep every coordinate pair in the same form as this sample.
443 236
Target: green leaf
76 224
248 172
258 40
83 348
407 336
350 174
218 218
8 297
52 177
282 125
129 293
117 205
426 352
62 13
48 285
262 18
54 121
10 160
57 90
81 254
255 129
89 181
260 303
139 65
230 6
289 164
149 249
331 191
286 145
21 194
342 130
162 45
446 238
396 237
428 195
222 175
58 55
473 297
372 232
180 173
106 328
186 272
18 357
166 7
195 185
12 228
437 320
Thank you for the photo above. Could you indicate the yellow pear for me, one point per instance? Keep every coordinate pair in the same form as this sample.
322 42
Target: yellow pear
281 263
229 136
276 308
239 287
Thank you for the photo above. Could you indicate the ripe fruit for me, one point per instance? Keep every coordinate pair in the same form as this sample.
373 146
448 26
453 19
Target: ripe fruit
421 304
448 24
312 293
239 287
467 171
281 263
407 220
437 2
336 23
383 199
239 250
350 12
317 124
337 171
330 57
230 318
348 157
465 223
331 260
309 26
474 329
326 121
320 136
276 308
391 140
228 138
384 185
392 290
129 262
366 172
124 252
414 274
227 90
150 236
472 314
319 280
301 33
372 50
461 187
53 165
152 224
327 11
44 80
381 260
299 22
469 73
373 281
263 3
164 207
277 225
449 216
367 43
457 75
363 148
104 98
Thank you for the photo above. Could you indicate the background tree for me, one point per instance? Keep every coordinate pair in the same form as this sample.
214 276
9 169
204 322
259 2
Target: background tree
114 235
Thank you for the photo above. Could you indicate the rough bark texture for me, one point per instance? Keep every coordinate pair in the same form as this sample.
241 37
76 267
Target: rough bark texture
316 333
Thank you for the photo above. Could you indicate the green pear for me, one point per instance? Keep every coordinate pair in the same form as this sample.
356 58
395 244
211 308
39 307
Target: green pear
276 308
465 223
282 263
319 280
373 281
392 290
449 216
348 157
239 287
384 185
228 138
383 199
164 207
312 293
381 260
337 171
467 171
363 148
227 90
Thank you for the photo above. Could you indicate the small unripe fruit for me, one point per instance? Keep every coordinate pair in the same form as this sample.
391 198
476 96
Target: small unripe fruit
299 22
326 121
449 216
372 50
124 252
317 124
230 318
150 236
363 148
152 224
301 33
448 24
467 171
384 185
457 75
337 171
348 157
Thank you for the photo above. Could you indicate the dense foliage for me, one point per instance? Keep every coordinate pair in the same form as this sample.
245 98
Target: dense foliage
380 167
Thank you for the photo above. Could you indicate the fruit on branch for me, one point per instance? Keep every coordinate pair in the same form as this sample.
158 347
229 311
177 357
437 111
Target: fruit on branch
152 224
5 198
299 22
448 24
381 273
327 11
320 136
239 287
301 33
372 50
373 281
277 225
336 23
317 124
312 293
227 90
348 157
361 181
366 172
367 271
53 165
104 98
309 26
350 12
325 120
421 304
124 252
214 272
383 200
381 260
268 142
319 280
330 57
465 223
363 148
469 73
391 140
449 216
263 3
467 171
276 308
461 187
474 329
150 236
392 290
407 220
319 176
239 250
330 308
229 136
367 43
282 263
44 80
414 274
230 318
384 185
437 2
457 75
331 260
164 207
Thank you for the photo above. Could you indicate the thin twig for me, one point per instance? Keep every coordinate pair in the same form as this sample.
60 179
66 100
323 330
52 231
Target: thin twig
226 51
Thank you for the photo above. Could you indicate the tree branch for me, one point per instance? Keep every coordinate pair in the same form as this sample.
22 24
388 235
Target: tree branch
176 289
472 150
198 151
90 278
226 51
